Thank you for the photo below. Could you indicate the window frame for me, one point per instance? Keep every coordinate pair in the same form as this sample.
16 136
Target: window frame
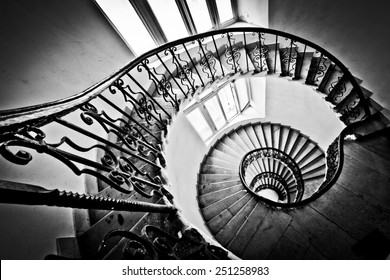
200 103
149 19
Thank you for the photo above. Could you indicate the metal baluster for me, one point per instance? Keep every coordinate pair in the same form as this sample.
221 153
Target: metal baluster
300 68
193 64
181 68
129 117
147 93
219 57
276 53
170 73
246 52
174 99
259 45
207 61
289 58
231 50
102 140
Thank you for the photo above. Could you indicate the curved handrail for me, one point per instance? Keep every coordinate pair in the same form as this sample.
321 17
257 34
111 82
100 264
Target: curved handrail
18 126
276 154
40 114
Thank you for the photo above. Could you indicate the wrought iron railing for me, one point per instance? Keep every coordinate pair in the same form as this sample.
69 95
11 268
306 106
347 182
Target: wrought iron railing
115 129
278 183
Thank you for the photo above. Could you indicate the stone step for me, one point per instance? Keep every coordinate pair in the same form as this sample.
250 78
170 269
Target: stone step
228 232
240 241
212 197
212 187
214 209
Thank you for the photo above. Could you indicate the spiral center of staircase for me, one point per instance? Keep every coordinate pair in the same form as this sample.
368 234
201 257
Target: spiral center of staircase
272 169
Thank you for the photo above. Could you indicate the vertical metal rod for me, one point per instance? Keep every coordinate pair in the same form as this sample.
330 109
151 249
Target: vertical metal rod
181 68
318 66
207 61
231 50
128 116
276 53
174 99
259 44
147 93
300 68
289 58
170 74
246 52
193 64
219 57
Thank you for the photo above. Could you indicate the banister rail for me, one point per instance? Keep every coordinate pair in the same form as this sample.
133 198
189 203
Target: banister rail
115 129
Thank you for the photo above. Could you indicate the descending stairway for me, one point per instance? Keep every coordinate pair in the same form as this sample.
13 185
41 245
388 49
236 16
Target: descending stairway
248 170
233 212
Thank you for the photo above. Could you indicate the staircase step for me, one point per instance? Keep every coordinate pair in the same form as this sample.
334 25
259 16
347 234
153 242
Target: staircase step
212 187
240 241
303 65
90 240
220 163
215 178
227 233
214 209
258 128
212 197
223 156
271 229
219 221
288 61
221 146
318 67
212 169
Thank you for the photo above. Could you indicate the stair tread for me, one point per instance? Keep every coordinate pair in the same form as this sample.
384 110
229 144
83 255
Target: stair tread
248 229
271 229
214 209
212 197
211 187
226 234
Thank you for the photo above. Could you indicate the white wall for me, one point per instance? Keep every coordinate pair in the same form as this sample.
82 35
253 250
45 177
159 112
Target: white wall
49 50
184 153
355 31
254 12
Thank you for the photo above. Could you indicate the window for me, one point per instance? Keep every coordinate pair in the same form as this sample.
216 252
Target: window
145 24
215 108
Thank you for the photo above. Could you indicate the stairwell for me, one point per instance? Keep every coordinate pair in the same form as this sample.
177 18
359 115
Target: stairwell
240 221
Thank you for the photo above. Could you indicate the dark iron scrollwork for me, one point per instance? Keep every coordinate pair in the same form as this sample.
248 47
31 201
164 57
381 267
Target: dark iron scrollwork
142 106
207 60
162 85
274 154
183 71
232 52
260 53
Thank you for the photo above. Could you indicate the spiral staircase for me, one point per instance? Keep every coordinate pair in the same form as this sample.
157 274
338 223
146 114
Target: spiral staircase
249 180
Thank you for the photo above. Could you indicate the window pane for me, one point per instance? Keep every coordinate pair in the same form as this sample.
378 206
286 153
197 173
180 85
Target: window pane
128 24
224 10
168 15
227 100
215 112
200 15
242 92
200 124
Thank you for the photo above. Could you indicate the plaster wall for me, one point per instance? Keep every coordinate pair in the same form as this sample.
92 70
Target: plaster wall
254 12
50 50
54 49
184 153
355 31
